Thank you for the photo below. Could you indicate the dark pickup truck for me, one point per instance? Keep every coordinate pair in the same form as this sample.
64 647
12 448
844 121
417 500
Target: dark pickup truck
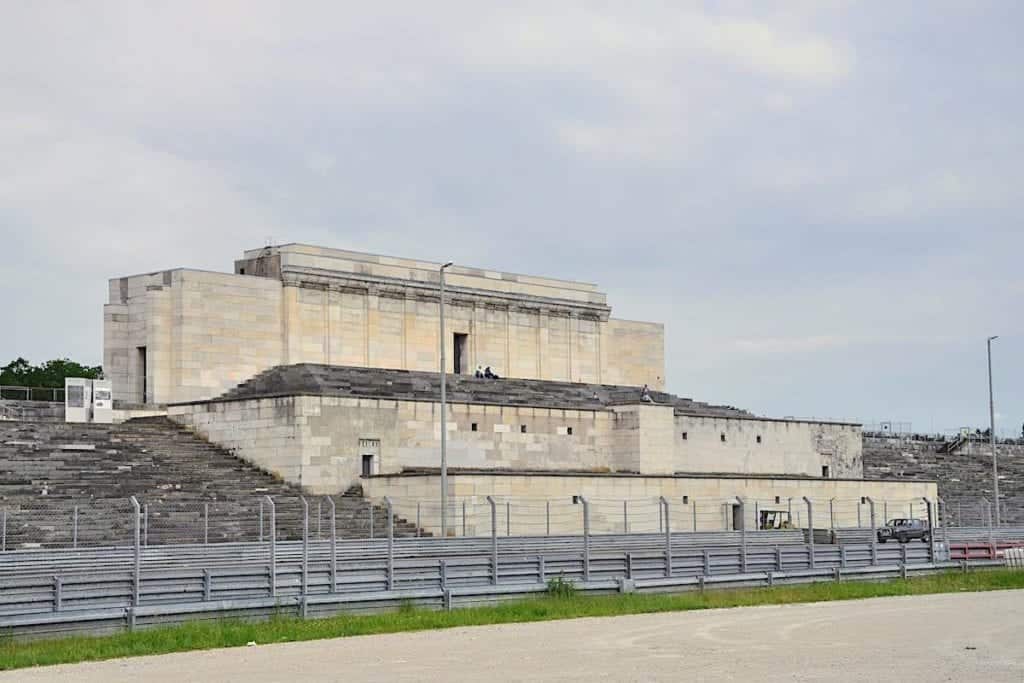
904 530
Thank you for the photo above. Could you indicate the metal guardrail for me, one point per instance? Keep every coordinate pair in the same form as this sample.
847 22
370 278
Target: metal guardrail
47 592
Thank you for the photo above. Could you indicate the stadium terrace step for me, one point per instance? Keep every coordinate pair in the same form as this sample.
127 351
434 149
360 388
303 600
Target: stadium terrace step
312 379
190 489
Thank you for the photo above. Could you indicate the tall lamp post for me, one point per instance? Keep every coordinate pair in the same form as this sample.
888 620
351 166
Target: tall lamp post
444 418
992 429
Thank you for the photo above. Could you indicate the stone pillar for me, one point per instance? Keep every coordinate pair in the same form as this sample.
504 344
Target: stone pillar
510 347
370 327
542 343
573 354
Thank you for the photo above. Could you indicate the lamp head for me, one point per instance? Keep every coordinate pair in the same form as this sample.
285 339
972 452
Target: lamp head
446 265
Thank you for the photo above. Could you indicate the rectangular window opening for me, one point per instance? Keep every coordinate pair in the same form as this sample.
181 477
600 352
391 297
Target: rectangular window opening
472 427
685 436
825 473
522 429
367 465
686 500
723 437
568 430
759 438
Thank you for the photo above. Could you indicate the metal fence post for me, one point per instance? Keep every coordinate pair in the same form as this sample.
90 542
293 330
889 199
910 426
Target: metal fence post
418 519
586 538
391 544
371 518
988 518
74 529
831 514
259 522
206 523
334 546
305 545
661 522
463 518
743 535
694 515
3 530
494 541
319 519
625 518
885 511
810 531
874 531
668 538
508 518
931 530
273 545
137 573
547 516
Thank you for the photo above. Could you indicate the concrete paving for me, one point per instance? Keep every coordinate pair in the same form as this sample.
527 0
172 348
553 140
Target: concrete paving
956 637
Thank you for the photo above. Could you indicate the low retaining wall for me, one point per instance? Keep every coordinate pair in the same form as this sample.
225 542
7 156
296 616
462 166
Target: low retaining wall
538 503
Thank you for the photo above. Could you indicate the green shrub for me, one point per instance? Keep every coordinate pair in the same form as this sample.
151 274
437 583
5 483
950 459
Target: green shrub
559 587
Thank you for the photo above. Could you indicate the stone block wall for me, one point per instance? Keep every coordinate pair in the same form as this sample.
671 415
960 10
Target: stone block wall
318 441
765 446
206 332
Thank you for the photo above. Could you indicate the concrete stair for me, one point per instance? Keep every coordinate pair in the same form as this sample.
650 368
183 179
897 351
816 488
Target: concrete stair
192 490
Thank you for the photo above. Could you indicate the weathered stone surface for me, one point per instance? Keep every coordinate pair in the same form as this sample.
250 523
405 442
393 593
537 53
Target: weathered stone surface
205 332
964 475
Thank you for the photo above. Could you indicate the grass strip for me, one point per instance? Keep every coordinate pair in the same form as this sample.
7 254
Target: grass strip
232 633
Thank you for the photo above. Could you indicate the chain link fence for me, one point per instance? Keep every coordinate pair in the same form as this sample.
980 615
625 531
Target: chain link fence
287 518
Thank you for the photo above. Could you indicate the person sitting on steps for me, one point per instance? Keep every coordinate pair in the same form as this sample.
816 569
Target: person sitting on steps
479 374
490 374
645 395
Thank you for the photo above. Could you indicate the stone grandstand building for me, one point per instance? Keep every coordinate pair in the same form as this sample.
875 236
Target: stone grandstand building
320 365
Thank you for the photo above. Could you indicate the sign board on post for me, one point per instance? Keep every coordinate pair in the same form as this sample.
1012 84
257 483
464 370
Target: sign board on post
77 399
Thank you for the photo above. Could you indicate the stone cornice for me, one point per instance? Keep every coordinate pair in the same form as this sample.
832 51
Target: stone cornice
428 291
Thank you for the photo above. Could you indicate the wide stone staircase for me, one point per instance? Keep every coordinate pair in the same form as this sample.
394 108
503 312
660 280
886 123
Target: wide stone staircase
70 484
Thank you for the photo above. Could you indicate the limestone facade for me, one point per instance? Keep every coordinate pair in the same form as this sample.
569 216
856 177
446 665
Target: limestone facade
319 442
527 503
185 335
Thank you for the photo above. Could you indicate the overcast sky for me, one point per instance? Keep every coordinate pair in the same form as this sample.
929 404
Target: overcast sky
821 200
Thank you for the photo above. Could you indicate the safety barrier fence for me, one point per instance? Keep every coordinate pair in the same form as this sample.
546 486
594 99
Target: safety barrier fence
48 523
302 579
48 591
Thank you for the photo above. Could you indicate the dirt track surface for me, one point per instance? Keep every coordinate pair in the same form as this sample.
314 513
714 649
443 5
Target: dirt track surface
956 637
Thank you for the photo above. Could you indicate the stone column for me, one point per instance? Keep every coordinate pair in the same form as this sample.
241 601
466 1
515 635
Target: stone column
371 325
542 342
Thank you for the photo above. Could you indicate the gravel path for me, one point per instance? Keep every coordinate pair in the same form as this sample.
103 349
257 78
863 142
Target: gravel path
954 637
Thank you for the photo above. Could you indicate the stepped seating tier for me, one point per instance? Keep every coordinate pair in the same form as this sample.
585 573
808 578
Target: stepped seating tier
48 468
310 379
964 474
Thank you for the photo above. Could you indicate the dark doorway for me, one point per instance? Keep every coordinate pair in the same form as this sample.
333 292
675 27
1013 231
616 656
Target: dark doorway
367 465
737 518
825 473
461 357
141 369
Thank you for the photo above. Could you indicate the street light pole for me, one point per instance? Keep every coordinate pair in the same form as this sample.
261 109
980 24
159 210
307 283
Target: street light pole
992 430
444 418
